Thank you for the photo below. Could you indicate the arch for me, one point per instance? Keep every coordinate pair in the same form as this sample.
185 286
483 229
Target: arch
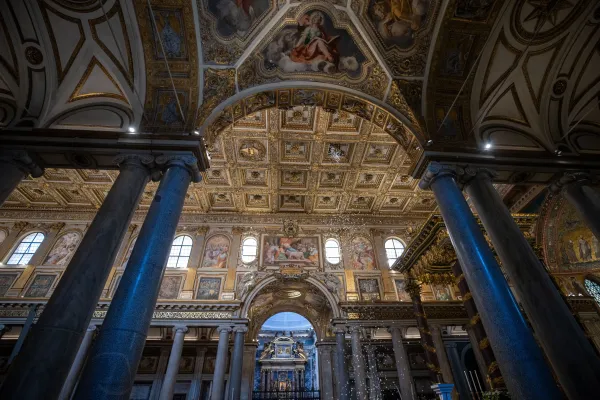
25 248
181 249
256 325
392 250
401 124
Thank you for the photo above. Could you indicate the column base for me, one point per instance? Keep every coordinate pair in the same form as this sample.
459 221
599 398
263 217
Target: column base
443 390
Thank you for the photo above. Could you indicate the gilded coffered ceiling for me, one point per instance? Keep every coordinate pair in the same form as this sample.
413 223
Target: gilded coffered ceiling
300 160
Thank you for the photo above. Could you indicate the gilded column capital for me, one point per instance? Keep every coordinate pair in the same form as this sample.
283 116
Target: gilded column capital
186 161
573 178
436 170
22 160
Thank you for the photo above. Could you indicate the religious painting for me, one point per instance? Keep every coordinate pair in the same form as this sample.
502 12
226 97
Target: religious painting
216 252
166 105
237 17
171 31
578 248
363 255
397 21
186 364
208 289
441 292
148 365
369 289
63 249
473 10
40 286
456 54
169 287
6 281
385 358
284 250
401 289
314 44
450 125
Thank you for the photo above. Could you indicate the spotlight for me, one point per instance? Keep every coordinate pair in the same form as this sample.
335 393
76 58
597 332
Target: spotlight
558 152
487 146
429 142
196 132
131 129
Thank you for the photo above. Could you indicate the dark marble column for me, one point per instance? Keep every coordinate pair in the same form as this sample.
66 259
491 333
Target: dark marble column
414 290
218 387
340 362
15 165
578 188
235 377
50 349
483 344
569 351
111 367
407 390
460 381
522 363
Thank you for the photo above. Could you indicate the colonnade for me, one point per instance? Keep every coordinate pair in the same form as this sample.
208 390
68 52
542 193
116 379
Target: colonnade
51 347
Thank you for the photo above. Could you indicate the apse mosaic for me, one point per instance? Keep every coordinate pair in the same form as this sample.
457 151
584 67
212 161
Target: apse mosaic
278 250
569 244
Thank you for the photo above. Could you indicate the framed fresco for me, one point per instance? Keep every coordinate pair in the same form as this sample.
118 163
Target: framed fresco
441 292
40 285
6 281
280 250
400 284
216 252
208 288
362 254
368 289
170 287
63 249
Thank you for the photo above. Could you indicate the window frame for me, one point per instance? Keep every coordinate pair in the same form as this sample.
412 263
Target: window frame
594 281
339 247
394 248
179 256
243 245
20 242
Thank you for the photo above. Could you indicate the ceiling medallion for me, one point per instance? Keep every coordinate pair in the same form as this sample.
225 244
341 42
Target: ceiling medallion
252 150
33 55
290 228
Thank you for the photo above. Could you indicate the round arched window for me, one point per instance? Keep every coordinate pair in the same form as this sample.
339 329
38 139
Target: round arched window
393 249
180 252
332 251
249 249
26 249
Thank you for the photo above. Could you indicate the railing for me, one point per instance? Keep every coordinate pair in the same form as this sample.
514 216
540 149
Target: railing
289 395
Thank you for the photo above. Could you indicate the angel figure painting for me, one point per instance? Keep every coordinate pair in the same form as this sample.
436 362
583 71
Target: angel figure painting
314 45
63 249
216 252
397 21
237 17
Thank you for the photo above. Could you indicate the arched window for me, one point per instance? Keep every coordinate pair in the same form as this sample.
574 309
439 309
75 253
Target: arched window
249 249
593 288
180 252
332 251
393 249
26 249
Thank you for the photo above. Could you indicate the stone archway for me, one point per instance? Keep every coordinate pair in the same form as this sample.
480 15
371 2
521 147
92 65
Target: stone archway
308 297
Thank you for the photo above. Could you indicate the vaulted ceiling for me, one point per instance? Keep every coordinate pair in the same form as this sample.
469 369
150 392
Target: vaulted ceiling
409 76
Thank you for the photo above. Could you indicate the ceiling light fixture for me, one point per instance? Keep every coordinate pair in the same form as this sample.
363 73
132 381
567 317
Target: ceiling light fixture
487 146
196 132
131 129
558 152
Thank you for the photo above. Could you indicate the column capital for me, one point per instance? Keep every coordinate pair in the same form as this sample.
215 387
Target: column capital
189 162
393 328
339 330
240 329
473 173
224 328
436 170
355 328
573 178
180 328
22 160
